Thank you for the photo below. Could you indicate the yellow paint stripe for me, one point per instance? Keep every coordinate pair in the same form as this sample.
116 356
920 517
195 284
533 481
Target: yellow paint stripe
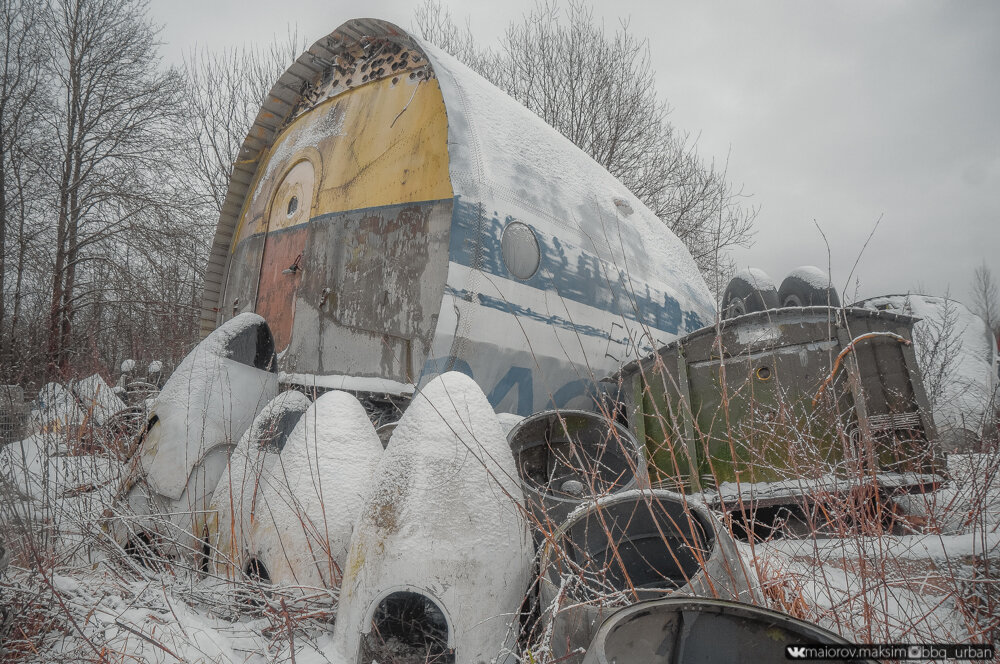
379 144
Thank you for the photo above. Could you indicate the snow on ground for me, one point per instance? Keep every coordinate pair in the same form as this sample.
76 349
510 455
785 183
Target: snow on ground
937 585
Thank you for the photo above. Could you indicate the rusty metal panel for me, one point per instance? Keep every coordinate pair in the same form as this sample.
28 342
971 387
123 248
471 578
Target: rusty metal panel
374 284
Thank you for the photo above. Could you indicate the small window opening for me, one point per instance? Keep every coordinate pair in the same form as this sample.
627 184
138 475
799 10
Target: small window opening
519 248
276 432
257 572
407 628
293 205
250 595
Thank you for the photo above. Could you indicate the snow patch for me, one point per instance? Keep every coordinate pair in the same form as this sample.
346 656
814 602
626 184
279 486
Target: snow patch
508 421
750 335
813 276
306 132
348 383
756 278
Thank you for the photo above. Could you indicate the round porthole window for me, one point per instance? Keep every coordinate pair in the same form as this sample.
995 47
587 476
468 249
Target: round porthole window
520 250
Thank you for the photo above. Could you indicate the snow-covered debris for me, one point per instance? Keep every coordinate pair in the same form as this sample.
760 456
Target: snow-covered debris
442 525
203 410
957 358
36 468
97 399
128 366
299 525
154 367
55 408
49 493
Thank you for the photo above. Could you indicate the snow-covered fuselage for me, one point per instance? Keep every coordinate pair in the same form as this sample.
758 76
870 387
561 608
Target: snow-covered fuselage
394 216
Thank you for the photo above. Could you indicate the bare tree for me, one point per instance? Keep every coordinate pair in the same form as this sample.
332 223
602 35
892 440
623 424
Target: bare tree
986 297
114 130
20 93
598 89
114 169
225 89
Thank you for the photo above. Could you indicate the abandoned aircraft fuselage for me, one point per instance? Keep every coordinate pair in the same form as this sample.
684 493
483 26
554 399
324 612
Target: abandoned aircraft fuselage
393 216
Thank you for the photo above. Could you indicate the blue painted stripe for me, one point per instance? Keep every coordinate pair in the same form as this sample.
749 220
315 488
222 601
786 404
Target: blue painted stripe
475 243
522 311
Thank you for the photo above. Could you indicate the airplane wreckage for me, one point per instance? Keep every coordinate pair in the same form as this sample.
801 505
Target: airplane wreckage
455 376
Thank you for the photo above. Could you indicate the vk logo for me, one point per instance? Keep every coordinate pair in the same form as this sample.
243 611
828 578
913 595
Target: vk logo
795 652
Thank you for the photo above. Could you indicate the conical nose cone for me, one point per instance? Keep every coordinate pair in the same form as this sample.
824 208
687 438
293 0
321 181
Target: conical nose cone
443 519
303 525
251 467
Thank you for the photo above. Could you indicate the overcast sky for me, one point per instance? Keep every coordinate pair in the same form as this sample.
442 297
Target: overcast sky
831 113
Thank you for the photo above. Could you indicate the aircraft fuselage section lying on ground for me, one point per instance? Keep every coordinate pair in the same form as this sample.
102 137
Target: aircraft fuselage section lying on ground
394 216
